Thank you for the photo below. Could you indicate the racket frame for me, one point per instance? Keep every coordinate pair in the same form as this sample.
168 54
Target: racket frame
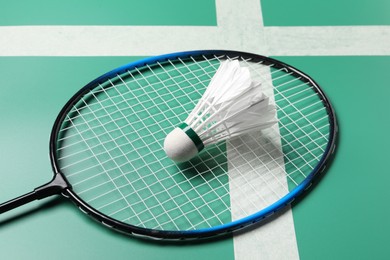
59 183
207 232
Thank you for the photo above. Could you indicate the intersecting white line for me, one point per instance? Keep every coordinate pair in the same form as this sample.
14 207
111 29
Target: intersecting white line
239 27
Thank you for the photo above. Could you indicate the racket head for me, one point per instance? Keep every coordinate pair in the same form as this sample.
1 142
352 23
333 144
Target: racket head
134 106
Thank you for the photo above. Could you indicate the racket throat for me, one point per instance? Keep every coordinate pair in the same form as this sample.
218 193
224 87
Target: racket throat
55 186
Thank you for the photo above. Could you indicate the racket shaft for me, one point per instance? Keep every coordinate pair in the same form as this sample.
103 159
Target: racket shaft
55 186
19 201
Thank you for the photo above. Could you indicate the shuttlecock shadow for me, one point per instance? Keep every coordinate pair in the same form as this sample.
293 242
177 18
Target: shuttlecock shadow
211 161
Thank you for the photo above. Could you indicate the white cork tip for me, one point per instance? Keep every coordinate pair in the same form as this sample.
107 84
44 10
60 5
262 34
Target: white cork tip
179 147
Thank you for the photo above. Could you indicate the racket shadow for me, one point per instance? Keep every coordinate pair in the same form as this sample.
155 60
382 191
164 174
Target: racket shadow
45 206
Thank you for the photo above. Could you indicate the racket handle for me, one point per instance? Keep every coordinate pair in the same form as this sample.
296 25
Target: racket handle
55 186
19 201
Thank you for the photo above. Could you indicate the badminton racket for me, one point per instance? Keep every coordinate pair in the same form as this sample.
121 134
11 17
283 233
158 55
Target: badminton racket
106 149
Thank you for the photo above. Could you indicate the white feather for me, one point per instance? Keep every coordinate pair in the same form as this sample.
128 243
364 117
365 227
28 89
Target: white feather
231 105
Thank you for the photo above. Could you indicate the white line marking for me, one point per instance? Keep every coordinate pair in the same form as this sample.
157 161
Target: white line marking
239 28
276 239
328 40
153 40
243 24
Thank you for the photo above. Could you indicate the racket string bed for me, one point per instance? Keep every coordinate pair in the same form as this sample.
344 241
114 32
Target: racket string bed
170 78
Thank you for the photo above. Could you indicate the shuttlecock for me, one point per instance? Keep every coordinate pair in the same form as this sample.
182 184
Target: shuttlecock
232 105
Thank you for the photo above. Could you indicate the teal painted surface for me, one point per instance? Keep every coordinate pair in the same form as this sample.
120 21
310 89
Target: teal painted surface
33 90
113 12
325 13
346 215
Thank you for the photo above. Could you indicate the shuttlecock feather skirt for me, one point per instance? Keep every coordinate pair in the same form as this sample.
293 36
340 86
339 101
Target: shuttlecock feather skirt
232 105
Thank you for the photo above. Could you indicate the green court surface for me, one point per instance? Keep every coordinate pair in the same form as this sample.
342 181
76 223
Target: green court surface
346 216
117 12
